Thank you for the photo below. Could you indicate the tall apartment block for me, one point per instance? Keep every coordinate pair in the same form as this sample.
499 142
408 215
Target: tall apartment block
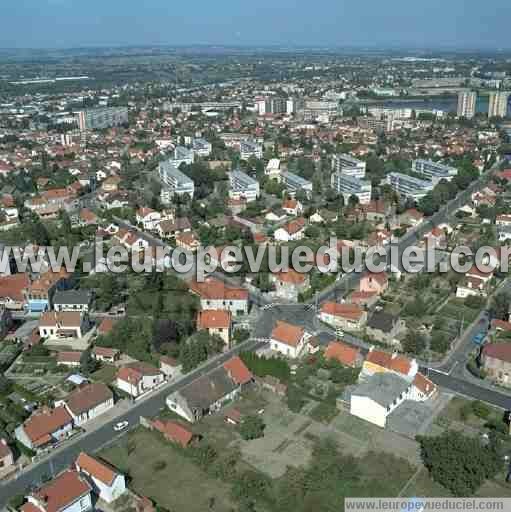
497 106
100 118
467 104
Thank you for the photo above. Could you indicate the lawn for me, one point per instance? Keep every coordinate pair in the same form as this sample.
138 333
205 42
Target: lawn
157 470
105 374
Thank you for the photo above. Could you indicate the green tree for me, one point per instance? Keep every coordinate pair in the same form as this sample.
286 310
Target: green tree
252 427
458 462
295 399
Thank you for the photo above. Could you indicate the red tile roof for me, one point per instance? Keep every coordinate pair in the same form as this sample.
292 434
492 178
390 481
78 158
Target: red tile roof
63 491
41 424
214 289
69 357
500 351
423 384
237 370
106 325
350 311
343 353
96 469
291 277
174 432
214 319
287 333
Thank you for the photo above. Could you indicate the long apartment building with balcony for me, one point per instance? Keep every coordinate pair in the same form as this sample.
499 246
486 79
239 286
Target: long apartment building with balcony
174 181
351 186
243 186
409 186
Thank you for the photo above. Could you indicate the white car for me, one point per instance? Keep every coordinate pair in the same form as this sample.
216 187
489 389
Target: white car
120 426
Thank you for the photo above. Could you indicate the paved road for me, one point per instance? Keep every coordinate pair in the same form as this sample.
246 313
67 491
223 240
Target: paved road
94 440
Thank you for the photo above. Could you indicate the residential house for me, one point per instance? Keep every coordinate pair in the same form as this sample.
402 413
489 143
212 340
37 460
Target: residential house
436 238
171 228
293 230
288 339
69 358
496 362
12 288
210 392
217 322
379 361
374 399
105 354
72 300
45 427
290 284
215 294
148 218
88 402
87 218
374 282
343 316
68 492
170 367
188 241
385 327
343 354
138 378
292 207
38 293
62 324
106 481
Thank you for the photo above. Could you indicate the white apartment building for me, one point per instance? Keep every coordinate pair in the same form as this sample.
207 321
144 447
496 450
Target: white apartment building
250 148
349 166
242 186
175 182
294 183
351 186
201 147
409 186
467 104
434 171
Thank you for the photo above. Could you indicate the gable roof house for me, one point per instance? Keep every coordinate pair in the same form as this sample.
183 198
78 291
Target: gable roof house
344 354
215 294
210 392
68 492
496 361
72 300
288 339
88 402
44 427
217 322
293 230
139 378
62 324
343 316
288 285
106 481
385 327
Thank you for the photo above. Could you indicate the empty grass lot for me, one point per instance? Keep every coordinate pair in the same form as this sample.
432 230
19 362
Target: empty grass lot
179 485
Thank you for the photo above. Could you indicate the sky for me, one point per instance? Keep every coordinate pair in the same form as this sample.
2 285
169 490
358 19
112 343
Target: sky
462 24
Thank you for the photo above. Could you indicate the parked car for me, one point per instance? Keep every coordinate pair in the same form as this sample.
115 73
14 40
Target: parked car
120 426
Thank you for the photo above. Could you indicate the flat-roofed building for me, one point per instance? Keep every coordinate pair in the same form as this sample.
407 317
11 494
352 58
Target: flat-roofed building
294 183
175 182
250 148
409 186
243 186
351 186
349 166
434 171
